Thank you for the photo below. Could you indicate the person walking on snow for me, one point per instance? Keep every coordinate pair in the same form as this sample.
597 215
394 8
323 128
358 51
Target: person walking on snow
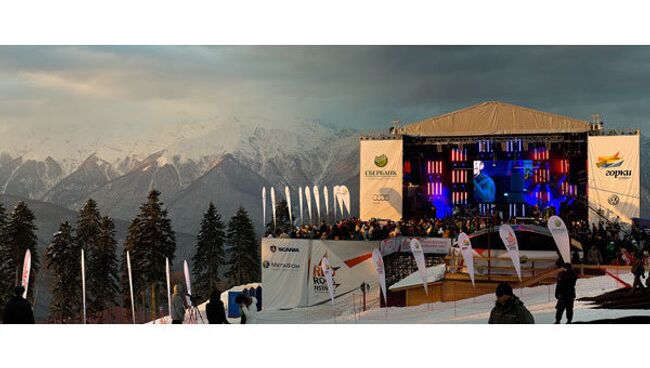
565 293
178 305
215 310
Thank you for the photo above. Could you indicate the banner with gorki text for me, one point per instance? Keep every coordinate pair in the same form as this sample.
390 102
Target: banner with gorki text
614 177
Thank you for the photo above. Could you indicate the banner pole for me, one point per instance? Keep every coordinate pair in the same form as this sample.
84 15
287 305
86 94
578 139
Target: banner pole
83 283
128 264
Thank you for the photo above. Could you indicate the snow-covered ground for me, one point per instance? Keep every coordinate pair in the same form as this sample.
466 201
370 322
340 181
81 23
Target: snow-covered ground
539 300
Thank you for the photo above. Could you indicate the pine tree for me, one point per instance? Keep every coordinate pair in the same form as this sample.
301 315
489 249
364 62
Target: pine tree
282 223
210 256
87 237
64 260
150 240
244 260
20 236
104 269
6 263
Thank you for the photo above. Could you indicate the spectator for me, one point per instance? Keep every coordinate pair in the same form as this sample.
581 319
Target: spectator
639 272
508 309
595 257
565 293
179 304
215 310
18 310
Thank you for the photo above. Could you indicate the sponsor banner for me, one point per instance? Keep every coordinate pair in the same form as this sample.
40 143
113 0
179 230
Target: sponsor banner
83 284
339 193
466 250
380 179
328 272
512 246
128 268
345 196
351 263
300 204
326 197
308 197
614 177
188 282
284 272
263 207
287 195
560 234
379 267
418 254
169 289
27 267
440 246
273 206
317 201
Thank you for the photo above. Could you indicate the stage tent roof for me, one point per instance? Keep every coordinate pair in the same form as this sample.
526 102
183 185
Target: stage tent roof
494 118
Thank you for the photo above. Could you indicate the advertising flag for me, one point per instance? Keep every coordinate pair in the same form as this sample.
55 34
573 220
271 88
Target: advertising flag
418 254
335 190
128 267
287 195
345 193
83 283
381 274
326 197
273 205
308 196
466 250
263 207
27 267
186 270
317 200
558 229
300 202
339 199
328 272
169 289
512 246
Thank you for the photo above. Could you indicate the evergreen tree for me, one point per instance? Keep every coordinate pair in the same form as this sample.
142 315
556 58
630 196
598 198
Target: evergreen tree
20 236
64 260
6 263
104 269
244 260
87 237
210 256
282 223
150 240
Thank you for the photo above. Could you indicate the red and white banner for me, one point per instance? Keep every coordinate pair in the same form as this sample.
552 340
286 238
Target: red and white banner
328 272
27 267
287 196
83 283
169 289
418 254
308 197
512 246
263 207
273 206
558 229
326 197
128 267
466 250
379 267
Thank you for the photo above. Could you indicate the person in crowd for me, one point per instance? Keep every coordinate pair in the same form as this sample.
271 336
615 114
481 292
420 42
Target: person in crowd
639 272
248 308
508 309
565 293
215 310
179 305
595 256
18 310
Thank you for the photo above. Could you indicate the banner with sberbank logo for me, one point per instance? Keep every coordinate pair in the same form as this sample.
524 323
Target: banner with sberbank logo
614 177
380 179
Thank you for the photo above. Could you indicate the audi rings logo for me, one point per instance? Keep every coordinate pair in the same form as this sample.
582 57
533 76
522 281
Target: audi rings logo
266 264
380 197
613 199
273 248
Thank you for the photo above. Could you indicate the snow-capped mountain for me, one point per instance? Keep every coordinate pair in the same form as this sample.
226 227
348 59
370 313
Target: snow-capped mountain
222 160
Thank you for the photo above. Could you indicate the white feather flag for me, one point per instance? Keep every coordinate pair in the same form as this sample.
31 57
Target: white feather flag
317 200
326 197
273 205
308 196
335 189
287 195
263 207
339 199
346 198
300 202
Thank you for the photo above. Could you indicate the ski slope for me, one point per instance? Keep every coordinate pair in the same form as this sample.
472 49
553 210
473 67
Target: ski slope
539 300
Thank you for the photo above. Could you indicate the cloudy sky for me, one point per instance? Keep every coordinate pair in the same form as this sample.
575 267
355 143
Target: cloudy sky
141 89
